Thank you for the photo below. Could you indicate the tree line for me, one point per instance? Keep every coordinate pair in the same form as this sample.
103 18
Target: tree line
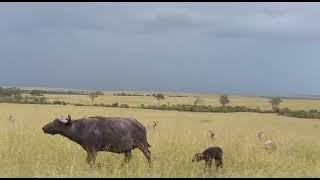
15 95
35 96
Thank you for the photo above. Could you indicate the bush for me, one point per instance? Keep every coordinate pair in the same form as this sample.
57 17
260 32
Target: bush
103 105
163 107
258 110
59 102
220 109
150 107
284 111
267 111
124 106
115 104
182 107
202 108
300 113
313 111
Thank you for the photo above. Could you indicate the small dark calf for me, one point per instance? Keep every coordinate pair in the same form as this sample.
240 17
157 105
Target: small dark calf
208 155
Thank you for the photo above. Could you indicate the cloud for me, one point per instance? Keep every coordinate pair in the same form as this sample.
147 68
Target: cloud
219 20
269 22
200 46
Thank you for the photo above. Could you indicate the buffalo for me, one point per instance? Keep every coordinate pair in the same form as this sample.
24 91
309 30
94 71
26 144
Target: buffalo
210 154
112 134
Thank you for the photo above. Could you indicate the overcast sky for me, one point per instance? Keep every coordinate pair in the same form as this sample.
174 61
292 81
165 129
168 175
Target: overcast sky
246 48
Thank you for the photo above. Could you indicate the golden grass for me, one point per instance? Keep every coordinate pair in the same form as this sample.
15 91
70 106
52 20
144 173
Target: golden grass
27 152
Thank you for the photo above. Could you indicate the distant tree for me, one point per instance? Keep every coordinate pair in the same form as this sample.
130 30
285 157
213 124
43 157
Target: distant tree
93 95
35 94
159 96
12 91
43 100
18 97
115 104
124 106
275 102
196 102
100 93
224 99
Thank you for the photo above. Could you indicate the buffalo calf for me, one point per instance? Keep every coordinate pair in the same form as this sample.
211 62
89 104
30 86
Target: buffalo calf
208 155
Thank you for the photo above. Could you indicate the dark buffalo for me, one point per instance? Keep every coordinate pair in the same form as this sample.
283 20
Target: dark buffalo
210 154
112 134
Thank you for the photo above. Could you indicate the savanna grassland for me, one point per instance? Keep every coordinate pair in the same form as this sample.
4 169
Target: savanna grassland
27 152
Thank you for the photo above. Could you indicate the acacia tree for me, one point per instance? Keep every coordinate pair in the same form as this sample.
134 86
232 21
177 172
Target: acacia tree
93 95
224 99
159 96
197 101
35 94
275 102
18 97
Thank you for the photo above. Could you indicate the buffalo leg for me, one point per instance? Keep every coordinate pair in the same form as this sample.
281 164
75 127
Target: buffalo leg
219 163
127 158
208 164
146 153
91 157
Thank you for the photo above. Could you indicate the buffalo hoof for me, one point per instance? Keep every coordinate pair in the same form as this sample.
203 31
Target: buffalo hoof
99 165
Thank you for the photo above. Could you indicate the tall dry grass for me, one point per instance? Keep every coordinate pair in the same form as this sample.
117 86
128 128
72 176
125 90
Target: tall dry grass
25 151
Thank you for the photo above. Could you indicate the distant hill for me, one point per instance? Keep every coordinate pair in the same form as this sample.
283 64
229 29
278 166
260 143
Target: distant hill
308 97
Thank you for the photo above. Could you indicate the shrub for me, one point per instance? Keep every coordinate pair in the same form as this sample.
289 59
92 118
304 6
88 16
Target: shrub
124 106
59 102
313 111
258 110
284 111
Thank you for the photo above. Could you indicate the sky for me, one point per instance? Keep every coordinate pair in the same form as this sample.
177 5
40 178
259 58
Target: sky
233 48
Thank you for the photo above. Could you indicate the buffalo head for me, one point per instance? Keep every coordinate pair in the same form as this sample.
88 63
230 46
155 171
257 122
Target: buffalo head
57 125
197 157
